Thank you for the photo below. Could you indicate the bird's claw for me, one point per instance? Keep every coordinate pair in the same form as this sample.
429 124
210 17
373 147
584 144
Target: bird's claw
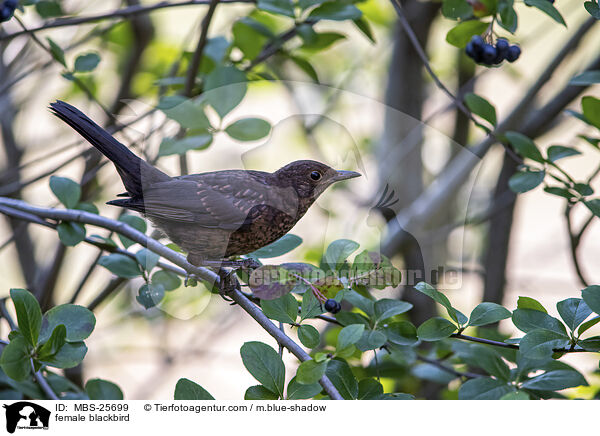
190 280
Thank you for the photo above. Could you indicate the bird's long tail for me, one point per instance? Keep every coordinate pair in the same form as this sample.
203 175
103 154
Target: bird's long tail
134 172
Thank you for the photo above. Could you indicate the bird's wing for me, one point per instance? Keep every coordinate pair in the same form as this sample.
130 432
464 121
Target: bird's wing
220 200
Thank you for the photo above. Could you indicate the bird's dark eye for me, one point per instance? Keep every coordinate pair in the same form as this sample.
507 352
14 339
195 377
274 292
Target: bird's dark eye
315 175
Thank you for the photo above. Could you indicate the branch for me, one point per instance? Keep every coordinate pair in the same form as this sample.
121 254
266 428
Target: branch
448 369
119 13
43 383
197 59
179 260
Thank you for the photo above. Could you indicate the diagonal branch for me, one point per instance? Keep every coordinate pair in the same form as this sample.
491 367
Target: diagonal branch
179 260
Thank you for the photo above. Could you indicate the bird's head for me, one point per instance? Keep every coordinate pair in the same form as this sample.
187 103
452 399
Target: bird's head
310 178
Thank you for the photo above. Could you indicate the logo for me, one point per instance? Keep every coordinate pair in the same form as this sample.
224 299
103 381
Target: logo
26 415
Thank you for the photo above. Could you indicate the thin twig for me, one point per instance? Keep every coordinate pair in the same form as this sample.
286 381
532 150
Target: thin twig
448 369
119 13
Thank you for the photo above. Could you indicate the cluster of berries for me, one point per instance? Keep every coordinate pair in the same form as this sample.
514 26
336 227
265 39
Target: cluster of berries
487 54
7 9
332 306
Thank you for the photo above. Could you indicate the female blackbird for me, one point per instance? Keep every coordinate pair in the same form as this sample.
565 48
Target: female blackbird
211 215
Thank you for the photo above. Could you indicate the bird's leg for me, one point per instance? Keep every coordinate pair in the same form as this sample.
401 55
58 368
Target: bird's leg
227 282
248 263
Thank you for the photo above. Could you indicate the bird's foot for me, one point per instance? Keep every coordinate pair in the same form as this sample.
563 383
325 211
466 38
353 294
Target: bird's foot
190 280
227 283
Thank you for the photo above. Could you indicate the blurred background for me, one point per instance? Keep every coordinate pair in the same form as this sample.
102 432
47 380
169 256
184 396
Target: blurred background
360 104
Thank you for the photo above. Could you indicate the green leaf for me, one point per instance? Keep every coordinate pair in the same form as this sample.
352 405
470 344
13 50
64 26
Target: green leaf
488 313
590 344
120 265
591 110
169 280
342 378
284 308
401 333
98 389
516 395
265 365
134 221
66 190
280 7
455 9
150 295
555 381
561 192
386 308
349 335
338 251
440 298
69 356
484 388
484 357
249 36
171 146
70 233
524 146
78 320
309 336
310 307
29 314
337 11
530 303
54 343
87 62
540 343
371 340
462 33
186 389
369 389
310 371
364 26
283 245
573 311
147 259
298 391
321 41
527 320
259 392
593 8
189 113
270 282
480 106
224 88
524 181
548 8
587 325
556 152
15 359
435 329
57 53
305 66
594 206
248 129
363 303
591 296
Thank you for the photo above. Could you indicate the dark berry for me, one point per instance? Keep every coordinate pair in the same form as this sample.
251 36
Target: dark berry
332 306
11 3
514 51
477 41
489 54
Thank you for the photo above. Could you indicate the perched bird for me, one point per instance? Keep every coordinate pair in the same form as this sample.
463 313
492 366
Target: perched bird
212 215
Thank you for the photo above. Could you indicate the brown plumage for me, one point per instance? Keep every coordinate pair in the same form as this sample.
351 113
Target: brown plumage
211 215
